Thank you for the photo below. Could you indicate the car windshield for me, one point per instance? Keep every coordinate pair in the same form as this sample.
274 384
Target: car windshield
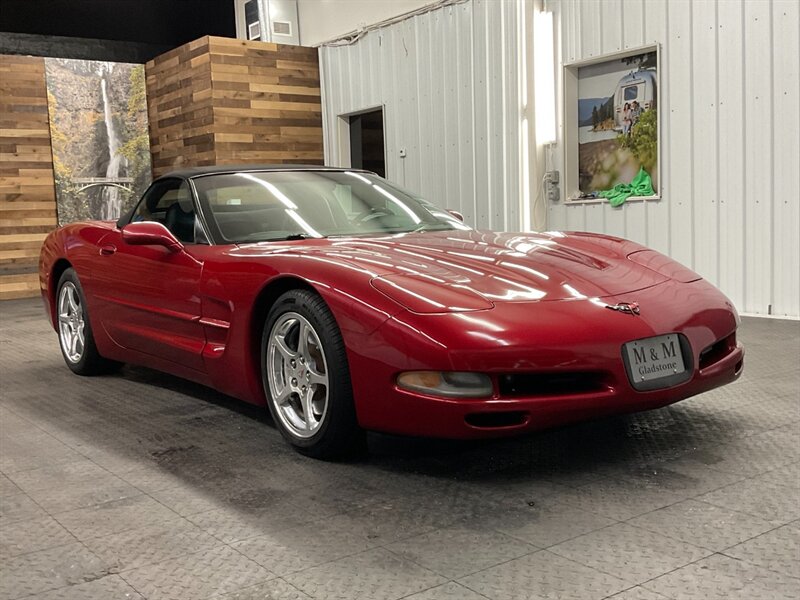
280 205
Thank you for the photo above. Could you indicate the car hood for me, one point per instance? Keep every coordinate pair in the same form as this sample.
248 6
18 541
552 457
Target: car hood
473 270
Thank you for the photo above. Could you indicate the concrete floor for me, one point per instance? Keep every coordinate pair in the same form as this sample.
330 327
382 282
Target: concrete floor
143 485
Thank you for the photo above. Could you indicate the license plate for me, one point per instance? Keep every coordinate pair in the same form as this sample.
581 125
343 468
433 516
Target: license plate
654 358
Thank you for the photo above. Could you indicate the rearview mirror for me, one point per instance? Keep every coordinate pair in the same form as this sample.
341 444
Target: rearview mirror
150 233
456 214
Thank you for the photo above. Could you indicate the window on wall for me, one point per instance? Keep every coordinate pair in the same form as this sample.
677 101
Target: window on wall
611 130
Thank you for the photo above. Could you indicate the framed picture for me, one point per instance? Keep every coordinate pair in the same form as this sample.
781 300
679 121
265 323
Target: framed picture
99 131
611 127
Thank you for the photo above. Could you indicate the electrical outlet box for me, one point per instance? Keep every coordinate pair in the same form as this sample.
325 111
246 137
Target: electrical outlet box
551 190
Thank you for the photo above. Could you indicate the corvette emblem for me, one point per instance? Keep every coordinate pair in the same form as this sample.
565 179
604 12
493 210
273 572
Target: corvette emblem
631 308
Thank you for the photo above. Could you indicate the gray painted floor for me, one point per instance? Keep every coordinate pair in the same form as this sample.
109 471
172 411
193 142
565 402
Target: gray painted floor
142 485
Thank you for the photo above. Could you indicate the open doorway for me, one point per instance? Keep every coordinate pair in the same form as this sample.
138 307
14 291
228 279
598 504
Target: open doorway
366 142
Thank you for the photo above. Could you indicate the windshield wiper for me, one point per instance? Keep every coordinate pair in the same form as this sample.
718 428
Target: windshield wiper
291 237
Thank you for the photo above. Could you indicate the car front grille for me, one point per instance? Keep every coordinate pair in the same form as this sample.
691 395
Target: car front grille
552 384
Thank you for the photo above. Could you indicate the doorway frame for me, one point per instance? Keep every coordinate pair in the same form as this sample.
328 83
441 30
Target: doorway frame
343 136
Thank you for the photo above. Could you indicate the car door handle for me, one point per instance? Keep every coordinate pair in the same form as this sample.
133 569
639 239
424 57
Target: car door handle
108 250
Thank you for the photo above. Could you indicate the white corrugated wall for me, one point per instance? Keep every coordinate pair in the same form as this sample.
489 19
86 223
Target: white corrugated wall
730 99
449 84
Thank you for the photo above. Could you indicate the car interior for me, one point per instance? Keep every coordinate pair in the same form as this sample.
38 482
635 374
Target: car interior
171 205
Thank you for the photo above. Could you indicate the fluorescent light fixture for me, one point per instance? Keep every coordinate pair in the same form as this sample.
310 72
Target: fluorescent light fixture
544 77
526 176
524 78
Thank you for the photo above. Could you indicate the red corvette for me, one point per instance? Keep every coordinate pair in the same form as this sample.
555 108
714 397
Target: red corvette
346 304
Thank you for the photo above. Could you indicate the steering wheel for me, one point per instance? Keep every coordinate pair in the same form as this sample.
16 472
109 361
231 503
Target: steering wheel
372 213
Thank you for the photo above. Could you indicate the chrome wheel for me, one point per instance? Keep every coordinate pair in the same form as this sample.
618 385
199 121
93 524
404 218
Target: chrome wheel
297 374
71 322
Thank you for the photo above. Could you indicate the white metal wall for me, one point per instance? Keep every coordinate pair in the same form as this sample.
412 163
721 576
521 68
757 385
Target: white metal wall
449 83
322 20
730 96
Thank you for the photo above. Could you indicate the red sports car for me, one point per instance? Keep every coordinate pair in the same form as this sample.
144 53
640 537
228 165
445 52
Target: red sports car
346 304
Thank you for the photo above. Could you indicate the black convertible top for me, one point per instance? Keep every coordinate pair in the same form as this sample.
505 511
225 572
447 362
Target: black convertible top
190 172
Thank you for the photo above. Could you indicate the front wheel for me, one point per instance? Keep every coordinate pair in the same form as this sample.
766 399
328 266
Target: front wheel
74 330
307 379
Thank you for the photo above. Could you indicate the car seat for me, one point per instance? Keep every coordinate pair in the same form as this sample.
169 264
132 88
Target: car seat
180 222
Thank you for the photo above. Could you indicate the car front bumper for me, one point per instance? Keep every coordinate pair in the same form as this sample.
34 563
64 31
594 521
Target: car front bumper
447 418
564 340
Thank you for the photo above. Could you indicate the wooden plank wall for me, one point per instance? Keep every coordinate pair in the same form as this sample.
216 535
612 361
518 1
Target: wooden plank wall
226 101
179 107
267 106
27 188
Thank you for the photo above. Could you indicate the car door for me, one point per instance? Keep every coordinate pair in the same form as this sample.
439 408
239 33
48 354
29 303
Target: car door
148 294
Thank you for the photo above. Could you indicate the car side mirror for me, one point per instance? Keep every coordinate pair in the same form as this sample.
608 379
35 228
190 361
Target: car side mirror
150 233
456 214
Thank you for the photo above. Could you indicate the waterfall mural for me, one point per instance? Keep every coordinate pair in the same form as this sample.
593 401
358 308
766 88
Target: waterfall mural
98 124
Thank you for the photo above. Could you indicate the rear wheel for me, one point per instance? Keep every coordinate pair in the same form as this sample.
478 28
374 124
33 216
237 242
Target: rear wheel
307 379
74 330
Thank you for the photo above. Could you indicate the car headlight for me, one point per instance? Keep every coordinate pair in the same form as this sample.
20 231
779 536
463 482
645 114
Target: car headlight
448 384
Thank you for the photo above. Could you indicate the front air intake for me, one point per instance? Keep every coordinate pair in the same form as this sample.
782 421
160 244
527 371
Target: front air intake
551 384
717 351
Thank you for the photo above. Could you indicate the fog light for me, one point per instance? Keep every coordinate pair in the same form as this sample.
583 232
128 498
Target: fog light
446 383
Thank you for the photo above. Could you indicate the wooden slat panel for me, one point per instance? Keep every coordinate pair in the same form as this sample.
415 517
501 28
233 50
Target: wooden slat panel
7 256
179 106
224 101
19 286
27 191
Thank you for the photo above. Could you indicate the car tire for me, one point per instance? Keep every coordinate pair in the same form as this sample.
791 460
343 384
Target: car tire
307 379
75 331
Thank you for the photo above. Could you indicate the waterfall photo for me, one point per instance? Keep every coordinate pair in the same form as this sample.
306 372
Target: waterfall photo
98 125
